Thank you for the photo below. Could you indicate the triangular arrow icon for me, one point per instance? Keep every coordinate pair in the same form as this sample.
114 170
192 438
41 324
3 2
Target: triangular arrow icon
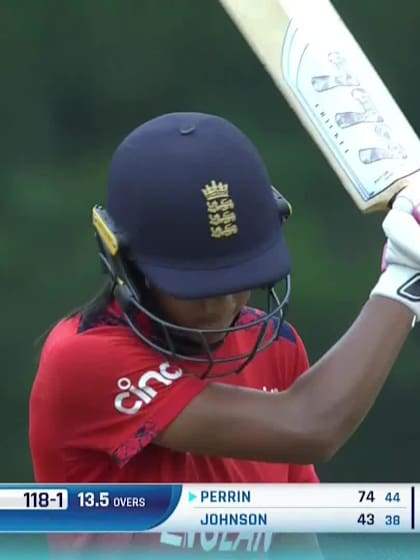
191 497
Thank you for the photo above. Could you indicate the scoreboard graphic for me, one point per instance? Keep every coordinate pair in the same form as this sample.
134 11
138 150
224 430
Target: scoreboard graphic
291 508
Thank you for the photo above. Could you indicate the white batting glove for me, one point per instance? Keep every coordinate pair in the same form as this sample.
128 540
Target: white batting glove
400 279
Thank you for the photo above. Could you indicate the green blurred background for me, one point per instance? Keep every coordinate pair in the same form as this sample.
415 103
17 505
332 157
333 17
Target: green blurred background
76 78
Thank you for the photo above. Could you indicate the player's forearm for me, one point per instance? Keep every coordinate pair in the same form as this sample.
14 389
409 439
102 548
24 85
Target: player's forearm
338 390
308 422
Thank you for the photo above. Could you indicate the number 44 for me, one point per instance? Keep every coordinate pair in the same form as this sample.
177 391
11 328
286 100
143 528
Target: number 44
392 497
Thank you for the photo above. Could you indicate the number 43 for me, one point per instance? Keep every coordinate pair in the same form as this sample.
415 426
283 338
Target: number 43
366 519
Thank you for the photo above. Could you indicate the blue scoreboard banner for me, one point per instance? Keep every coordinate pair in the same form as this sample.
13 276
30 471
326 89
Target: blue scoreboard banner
289 508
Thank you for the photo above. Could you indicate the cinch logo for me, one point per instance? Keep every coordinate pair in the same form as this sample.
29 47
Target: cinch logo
142 391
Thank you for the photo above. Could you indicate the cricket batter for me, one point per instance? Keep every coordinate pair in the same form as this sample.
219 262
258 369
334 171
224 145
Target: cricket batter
168 375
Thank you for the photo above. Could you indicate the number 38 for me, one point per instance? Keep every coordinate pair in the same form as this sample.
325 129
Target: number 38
392 520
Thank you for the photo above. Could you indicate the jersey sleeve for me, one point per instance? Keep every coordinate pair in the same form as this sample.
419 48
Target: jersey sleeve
293 356
116 396
300 473
301 362
303 473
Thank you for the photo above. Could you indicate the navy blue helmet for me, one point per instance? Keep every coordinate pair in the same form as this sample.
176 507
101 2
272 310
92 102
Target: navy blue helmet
191 208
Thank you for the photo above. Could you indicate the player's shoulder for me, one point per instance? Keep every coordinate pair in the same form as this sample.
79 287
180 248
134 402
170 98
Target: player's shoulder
286 332
106 347
70 333
280 363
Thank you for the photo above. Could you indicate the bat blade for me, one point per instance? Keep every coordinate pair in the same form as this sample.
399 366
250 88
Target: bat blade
335 91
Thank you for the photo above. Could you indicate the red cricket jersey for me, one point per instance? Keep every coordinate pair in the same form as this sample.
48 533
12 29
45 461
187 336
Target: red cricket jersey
101 396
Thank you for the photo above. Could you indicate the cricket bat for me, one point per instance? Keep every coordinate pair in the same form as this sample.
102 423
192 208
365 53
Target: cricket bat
335 91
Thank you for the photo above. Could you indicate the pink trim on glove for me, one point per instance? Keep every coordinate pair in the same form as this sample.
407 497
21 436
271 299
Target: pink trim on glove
383 261
416 213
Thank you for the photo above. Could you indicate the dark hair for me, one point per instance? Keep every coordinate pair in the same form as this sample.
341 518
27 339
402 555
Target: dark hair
90 311
96 306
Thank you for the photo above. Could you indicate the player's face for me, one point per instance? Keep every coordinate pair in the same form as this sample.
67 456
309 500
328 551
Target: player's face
210 313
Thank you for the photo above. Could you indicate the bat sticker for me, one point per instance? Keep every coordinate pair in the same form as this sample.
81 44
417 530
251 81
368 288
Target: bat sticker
369 114
392 149
342 78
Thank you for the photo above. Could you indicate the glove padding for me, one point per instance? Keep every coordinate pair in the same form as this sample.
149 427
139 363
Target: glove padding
400 279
